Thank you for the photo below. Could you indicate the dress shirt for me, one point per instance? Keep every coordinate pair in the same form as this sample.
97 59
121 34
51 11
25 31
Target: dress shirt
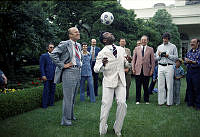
171 50
86 65
144 48
74 53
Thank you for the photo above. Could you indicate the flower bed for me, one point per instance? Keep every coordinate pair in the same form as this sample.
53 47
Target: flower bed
14 102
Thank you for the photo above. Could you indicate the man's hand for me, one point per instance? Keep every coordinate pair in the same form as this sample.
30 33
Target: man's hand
154 80
151 73
44 78
126 70
68 65
189 61
134 72
105 61
128 58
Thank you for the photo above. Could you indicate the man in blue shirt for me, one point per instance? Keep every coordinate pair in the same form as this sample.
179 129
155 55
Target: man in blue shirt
47 68
94 50
192 61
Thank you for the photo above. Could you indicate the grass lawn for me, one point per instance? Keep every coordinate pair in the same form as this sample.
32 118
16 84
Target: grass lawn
141 120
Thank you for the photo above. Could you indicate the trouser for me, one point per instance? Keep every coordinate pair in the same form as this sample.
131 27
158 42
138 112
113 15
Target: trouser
90 85
193 87
176 92
107 99
142 80
151 87
128 84
71 82
95 81
48 93
165 73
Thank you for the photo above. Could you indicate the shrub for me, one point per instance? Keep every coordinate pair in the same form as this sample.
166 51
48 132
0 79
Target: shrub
24 100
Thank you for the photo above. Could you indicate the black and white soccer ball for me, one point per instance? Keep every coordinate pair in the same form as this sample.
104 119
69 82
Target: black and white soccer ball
107 18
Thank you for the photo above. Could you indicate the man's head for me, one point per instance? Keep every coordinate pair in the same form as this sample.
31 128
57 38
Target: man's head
138 43
74 34
122 42
194 44
107 38
50 47
84 46
144 40
166 37
93 42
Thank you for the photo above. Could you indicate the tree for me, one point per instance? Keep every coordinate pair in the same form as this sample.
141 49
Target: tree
162 22
25 31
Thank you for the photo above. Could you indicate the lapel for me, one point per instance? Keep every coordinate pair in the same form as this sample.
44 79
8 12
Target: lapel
70 49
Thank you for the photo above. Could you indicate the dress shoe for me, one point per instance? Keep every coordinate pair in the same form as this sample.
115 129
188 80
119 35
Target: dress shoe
137 103
69 123
118 134
74 118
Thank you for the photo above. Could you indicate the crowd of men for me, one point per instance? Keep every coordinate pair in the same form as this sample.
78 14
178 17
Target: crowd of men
72 63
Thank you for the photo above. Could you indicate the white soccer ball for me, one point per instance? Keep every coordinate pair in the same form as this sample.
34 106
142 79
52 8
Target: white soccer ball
107 18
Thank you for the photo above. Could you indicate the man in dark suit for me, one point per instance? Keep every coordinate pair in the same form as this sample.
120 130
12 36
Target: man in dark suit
67 57
143 64
94 50
47 68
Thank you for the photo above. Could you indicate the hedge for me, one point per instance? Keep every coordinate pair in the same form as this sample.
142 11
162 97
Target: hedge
24 100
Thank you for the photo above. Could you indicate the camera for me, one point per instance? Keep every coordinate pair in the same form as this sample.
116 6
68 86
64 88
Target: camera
163 54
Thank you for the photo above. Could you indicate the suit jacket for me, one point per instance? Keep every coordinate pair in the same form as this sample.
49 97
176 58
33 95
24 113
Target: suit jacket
128 52
97 50
61 55
47 67
147 62
114 69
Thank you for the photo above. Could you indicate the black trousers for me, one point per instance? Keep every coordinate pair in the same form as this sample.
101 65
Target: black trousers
142 80
193 87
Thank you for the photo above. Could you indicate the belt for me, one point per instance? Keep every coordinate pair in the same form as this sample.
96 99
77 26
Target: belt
165 64
75 66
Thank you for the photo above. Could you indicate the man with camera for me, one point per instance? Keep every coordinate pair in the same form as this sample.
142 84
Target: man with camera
166 55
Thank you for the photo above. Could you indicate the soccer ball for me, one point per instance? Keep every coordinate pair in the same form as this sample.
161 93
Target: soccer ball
107 18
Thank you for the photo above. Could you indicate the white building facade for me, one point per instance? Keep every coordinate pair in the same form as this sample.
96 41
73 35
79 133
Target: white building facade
185 14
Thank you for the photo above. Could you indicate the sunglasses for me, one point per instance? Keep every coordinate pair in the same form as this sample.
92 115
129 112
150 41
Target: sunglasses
51 47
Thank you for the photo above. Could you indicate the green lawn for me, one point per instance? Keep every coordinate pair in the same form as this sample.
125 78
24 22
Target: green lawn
141 120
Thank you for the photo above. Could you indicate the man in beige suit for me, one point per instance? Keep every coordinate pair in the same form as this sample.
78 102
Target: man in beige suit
128 70
111 60
143 64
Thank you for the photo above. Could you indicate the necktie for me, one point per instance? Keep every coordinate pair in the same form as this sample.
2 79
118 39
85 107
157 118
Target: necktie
143 52
77 57
114 51
93 54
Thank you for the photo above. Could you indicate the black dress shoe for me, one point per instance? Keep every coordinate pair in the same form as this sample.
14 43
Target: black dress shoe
74 118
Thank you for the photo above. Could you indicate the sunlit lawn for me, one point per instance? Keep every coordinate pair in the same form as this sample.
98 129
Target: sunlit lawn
141 120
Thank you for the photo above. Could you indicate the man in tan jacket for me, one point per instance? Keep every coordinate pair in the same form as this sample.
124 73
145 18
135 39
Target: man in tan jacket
143 64
128 70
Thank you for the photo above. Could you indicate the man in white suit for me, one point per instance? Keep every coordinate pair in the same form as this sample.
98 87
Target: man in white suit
110 61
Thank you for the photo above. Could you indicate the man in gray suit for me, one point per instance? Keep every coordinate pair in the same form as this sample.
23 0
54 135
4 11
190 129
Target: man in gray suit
67 57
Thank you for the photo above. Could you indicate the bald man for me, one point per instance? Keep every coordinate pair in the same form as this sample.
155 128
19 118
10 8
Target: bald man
67 57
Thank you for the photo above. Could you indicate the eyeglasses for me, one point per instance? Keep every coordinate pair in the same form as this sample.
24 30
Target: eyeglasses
51 47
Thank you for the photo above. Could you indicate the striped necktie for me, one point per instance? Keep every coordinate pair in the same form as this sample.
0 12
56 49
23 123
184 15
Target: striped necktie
114 51
77 57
